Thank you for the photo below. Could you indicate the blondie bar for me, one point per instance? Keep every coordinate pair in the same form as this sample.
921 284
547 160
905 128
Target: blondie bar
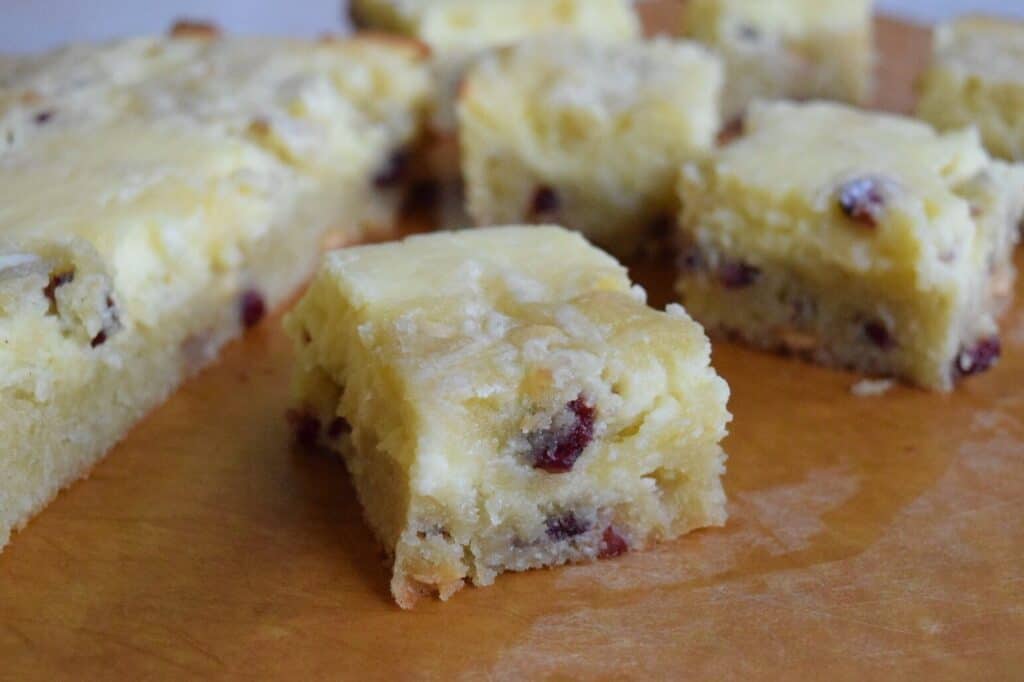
459 30
860 240
977 78
787 49
586 134
157 197
505 400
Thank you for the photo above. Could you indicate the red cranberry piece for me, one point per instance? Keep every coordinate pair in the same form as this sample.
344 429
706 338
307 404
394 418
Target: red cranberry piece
878 333
394 170
57 280
863 200
565 527
612 544
980 357
338 427
115 318
737 275
305 427
545 202
43 117
556 450
731 131
112 325
252 308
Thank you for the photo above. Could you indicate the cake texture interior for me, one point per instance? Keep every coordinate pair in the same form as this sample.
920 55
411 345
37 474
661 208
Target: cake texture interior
887 249
780 49
157 197
459 31
587 134
977 78
504 399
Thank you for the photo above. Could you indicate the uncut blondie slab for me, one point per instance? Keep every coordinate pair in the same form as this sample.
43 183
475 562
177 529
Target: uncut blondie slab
458 31
505 400
977 78
157 196
857 239
589 135
787 49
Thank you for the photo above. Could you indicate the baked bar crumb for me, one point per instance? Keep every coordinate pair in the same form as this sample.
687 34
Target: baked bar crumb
458 31
977 78
787 49
586 134
872 388
504 400
882 246
158 196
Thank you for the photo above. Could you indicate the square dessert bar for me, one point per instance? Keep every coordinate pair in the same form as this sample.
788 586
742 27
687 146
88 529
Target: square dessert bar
588 135
504 400
857 239
977 78
457 31
787 49
157 197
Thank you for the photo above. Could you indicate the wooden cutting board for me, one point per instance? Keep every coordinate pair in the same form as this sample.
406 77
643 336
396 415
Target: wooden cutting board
869 538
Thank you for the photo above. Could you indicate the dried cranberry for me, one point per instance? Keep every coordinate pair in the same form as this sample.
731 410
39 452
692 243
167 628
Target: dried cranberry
556 450
545 202
111 326
612 544
57 280
252 308
43 117
565 527
338 427
305 427
863 200
737 275
394 170
980 357
879 334
115 318
731 131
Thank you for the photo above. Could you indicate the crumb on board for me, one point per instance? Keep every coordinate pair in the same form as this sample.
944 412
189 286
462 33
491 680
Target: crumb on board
869 388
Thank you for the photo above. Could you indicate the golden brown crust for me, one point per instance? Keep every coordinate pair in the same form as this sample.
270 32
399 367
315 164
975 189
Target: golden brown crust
191 28
417 48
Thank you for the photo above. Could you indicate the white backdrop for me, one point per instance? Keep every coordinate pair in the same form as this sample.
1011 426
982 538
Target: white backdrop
27 25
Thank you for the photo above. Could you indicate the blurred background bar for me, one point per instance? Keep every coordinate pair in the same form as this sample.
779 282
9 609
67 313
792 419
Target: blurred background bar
31 25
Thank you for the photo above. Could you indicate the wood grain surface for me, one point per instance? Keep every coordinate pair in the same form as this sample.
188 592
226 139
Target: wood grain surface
870 538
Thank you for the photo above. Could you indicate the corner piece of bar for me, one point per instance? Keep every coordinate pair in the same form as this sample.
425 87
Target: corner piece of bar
512 401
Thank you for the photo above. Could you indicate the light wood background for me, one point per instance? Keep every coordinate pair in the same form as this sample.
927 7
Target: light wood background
869 539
